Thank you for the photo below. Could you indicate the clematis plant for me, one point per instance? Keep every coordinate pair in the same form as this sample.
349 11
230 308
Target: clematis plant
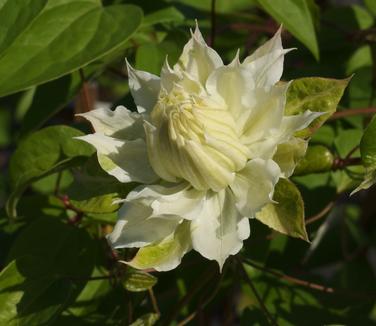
205 146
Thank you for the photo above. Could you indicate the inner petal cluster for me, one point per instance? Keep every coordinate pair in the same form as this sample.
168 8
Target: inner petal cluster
194 138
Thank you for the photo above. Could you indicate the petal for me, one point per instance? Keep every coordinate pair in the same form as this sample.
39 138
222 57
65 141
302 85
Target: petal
181 200
120 123
219 230
198 59
137 227
289 154
266 63
166 254
126 160
253 187
293 123
265 112
231 83
144 88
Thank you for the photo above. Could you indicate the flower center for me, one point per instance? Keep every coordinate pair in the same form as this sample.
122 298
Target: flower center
195 139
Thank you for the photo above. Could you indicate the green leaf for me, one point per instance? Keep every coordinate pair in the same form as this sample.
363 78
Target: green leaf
368 154
94 191
368 145
297 17
48 99
371 5
314 94
58 37
146 320
287 215
137 281
317 159
28 295
165 15
42 279
42 153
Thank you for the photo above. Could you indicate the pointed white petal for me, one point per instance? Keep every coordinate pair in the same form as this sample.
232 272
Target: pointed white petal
253 187
198 59
219 230
181 200
126 160
232 84
266 63
264 113
137 227
120 123
144 88
293 123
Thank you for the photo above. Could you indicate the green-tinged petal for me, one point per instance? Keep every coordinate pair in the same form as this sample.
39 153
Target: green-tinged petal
126 160
166 254
264 113
144 88
266 63
253 187
287 214
369 180
137 227
267 146
172 199
120 123
293 123
198 59
289 154
219 230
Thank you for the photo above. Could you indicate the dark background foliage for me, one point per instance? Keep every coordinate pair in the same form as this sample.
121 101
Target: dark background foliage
57 268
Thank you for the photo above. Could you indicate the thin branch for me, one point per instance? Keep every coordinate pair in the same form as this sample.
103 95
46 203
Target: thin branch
85 279
267 314
314 286
85 93
189 296
352 112
154 301
342 163
57 184
321 214
213 18
204 303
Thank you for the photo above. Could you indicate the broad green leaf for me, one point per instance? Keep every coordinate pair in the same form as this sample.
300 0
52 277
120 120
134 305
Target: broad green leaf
287 214
314 94
94 191
49 262
371 5
222 6
48 99
137 281
58 37
146 320
368 154
368 145
67 251
165 15
42 153
297 17
317 159
29 296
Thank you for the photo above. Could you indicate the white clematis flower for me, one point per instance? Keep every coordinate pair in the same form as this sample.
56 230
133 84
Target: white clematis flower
209 143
